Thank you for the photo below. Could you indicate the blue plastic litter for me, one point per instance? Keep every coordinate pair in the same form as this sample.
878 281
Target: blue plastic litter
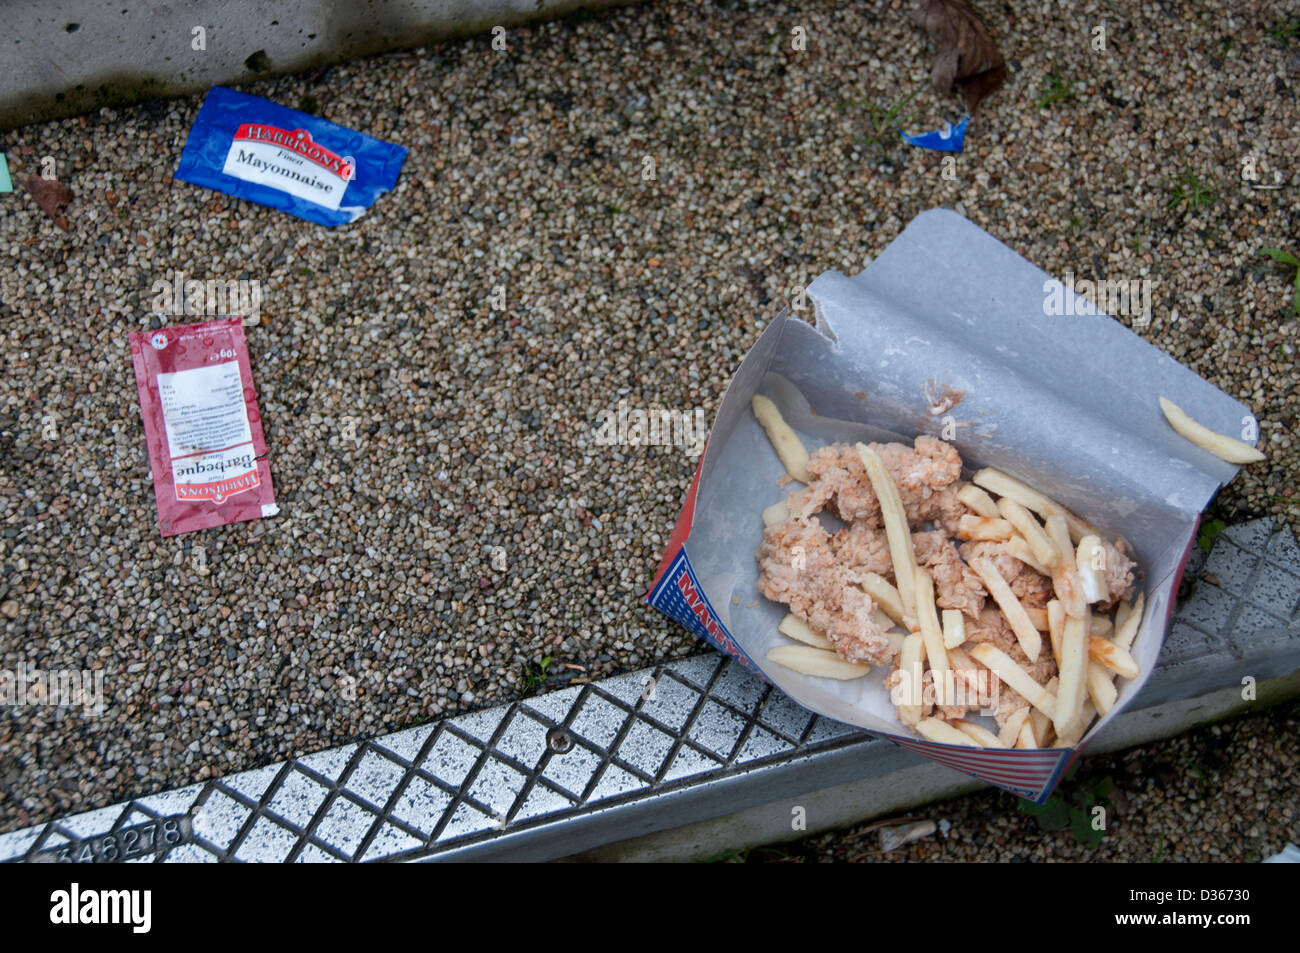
258 150
947 139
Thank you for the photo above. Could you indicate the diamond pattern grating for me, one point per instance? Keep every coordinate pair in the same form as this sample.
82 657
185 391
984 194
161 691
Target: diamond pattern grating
430 789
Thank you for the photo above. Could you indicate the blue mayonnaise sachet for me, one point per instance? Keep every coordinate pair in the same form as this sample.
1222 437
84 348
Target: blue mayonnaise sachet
253 148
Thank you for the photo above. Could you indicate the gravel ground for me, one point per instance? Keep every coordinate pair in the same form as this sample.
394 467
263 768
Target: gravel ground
475 425
1219 793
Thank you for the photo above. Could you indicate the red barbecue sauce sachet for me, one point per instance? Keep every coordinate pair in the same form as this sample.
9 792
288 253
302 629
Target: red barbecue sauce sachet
206 447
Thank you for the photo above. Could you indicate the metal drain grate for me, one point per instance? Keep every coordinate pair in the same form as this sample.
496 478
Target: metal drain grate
640 752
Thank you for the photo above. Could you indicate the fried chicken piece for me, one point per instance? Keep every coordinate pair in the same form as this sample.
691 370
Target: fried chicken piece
927 475
956 585
864 548
798 566
1118 571
839 470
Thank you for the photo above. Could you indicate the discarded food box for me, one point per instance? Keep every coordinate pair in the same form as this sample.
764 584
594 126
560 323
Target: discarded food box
1066 404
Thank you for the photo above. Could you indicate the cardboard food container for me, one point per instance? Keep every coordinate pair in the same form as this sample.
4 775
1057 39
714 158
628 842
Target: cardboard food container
1067 403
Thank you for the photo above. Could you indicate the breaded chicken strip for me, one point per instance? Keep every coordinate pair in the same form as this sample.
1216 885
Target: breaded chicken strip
956 585
798 566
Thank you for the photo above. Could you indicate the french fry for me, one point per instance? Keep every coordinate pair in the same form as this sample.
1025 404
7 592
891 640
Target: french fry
884 622
797 628
1126 632
1040 544
1088 716
1109 654
1016 677
909 666
941 731
901 550
1016 546
895 640
1010 729
1072 682
1101 687
1056 628
982 527
884 595
1038 617
1090 559
1122 614
1065 575
978 500
1026 738
1098 624
789 448
1044 730
1008 486
1026 634
932 634
776 513
979 734
954 629
1222 446
807 660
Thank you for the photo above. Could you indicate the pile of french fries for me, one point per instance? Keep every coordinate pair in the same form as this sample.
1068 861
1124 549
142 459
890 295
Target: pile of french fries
1091 648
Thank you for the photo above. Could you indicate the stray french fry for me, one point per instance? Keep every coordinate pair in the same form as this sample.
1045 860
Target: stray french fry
954 629
1040 544
1223 447
1072 682
884 595
933 635
1016 677
1126 631
941 731
979 734
1101 687
982 527
1026 634
1109 654
785 441
1010 729
978 500
1008 486
797 628
901 550
807 660
909 666
1090 558
776 513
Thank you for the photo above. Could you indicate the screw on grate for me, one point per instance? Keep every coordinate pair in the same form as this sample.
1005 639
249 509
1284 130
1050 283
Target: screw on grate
559 740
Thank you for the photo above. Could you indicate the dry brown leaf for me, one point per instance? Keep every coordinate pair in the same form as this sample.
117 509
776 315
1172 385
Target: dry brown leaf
964 53
52 196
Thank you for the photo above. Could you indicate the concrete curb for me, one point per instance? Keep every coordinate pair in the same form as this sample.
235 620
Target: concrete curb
67 57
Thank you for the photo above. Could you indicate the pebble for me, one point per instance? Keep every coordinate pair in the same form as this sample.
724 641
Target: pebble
417 420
